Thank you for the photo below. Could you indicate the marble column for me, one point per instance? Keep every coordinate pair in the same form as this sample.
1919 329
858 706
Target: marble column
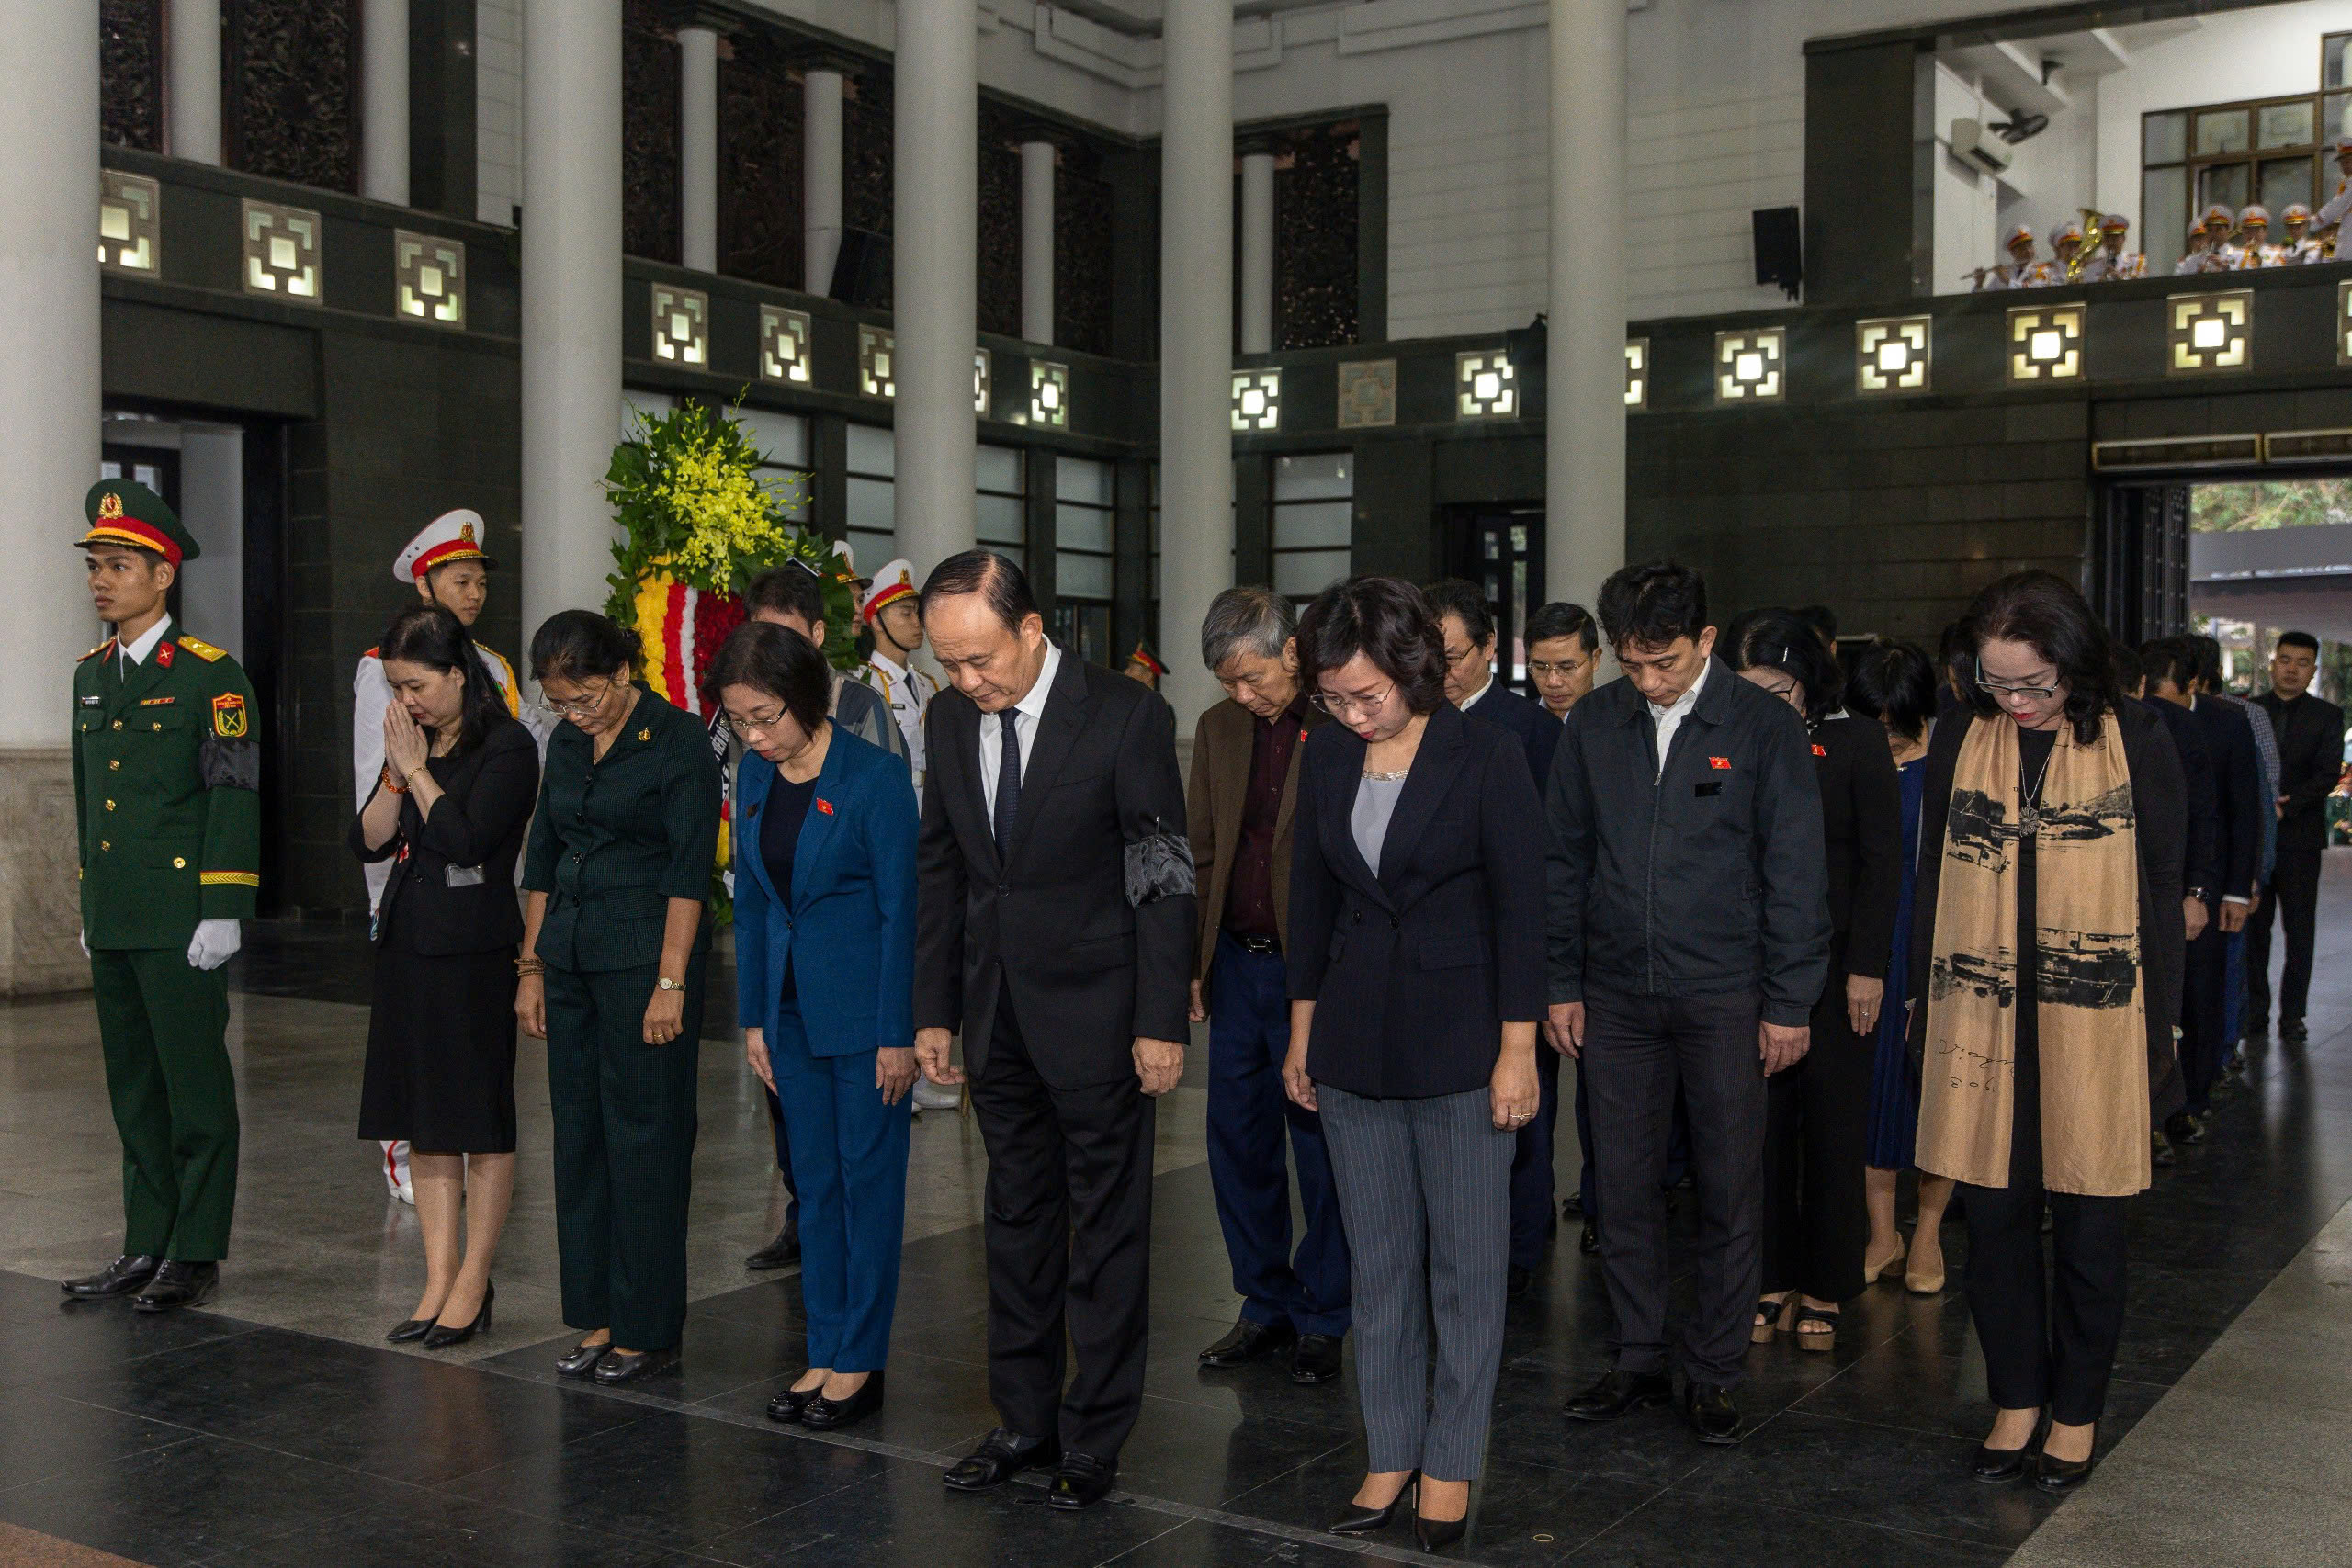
1038 241
1258 251
1584 466
1195 341
572 300
192 95
383 101
49 406
820 172
698 148
935 276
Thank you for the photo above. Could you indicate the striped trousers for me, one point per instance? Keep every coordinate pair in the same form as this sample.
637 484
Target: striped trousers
1425 1195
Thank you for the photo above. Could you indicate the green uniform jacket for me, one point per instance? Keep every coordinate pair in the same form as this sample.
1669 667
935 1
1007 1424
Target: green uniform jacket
613 840
165 771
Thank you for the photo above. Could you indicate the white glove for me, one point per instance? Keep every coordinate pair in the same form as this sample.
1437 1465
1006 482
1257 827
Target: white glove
83 937
215 942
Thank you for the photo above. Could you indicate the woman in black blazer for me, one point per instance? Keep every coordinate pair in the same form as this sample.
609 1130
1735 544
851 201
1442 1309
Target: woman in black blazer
1416 982
1816 1123
450 810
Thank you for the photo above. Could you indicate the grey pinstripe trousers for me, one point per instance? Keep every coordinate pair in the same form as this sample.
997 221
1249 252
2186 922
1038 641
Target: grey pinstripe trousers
1425 1195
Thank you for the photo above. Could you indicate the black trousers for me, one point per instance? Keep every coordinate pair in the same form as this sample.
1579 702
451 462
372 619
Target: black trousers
1816 1135
2294 893
1533 1220
1638 1051
2204 1012
1069 1235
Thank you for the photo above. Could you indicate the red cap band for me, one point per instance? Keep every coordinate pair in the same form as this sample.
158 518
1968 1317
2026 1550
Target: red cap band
887 597
131 531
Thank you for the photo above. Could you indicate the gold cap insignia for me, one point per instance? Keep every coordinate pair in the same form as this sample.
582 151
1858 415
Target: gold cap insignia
110 505
466 532
645 735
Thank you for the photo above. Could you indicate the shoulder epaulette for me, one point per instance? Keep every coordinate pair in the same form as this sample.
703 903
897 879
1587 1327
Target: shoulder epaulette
200 647
372 654
102 648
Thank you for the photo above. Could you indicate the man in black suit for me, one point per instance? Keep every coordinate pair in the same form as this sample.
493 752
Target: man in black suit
1071 1000
1468 624
2311 761
2201 869
2238 805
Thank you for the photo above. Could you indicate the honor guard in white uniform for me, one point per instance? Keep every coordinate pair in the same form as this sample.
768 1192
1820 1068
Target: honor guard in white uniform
2254 245
891 613
2222 251
2065 241
2296 247
2017 272
2339 206
447 565
2113 264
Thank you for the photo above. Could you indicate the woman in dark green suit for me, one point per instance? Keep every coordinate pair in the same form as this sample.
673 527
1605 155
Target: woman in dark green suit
614 943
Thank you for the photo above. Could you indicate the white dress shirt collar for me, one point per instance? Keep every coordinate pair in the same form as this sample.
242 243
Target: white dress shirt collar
137 652
1027 713
1669 718
1473 700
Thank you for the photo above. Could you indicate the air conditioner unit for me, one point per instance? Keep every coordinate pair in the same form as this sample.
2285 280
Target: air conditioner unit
1976 143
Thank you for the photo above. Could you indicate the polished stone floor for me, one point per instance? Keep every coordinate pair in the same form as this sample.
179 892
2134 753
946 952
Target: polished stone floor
275 1429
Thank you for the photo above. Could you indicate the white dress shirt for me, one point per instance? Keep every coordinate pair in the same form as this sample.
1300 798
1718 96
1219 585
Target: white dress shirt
1670 719
137 652
1470 701
1026 713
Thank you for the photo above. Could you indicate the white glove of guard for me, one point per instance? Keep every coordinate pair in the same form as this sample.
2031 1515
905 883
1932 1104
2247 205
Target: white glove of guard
215 942
83 937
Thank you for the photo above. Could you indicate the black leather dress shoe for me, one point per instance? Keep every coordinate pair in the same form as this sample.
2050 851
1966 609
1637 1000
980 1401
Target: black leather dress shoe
792 1403
831 1414
177 1285
581 1360
1081 1481
1518 1281
1572 1204
1370 1521
119 1278
1999 1464
1247 1342
2060 1475
1713 1413
2292 1032
1621 1393
617 1367
781 1253
1001 1456
1589 1243
445 1335
1315 1359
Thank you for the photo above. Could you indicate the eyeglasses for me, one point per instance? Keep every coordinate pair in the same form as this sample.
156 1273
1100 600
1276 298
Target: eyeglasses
1539 668
756 724
1456 660
579 707
1997 688
1341 708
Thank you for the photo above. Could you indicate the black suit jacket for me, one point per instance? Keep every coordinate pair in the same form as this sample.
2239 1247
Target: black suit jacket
2239 792
455 889
2311 758
1537 730
1414 972
2203 867
1861 827
1049 918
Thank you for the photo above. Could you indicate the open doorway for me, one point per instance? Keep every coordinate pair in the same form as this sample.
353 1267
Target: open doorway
1501 548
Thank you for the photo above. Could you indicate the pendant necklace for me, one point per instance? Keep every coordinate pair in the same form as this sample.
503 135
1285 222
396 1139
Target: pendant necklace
2029 817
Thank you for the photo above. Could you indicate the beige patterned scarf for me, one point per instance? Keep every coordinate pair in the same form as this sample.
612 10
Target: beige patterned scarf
2090 998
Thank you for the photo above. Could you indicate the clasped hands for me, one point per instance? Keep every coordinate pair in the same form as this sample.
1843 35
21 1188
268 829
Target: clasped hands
406 746
1159 1064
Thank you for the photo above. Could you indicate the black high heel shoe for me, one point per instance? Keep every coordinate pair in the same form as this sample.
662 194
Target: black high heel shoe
824 1414
1367 1521
2064 1474
414 1328
1436 1534
442 1336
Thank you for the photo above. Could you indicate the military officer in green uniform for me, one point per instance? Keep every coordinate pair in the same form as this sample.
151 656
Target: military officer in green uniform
164 774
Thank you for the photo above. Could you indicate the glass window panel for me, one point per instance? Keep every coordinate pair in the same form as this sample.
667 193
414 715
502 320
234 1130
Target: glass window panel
1082 577
1000 520
2225 184
1302 574
2284 180
781 438
1076 478
1315 477
2164 221
2335 116
871 550
873 506
1310 525
872 450
2163 138
2285 125
2220 130
1082 528
2332 63
791 488
1000 468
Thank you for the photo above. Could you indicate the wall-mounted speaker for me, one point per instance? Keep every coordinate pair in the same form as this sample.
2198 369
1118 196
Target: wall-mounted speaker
1780 248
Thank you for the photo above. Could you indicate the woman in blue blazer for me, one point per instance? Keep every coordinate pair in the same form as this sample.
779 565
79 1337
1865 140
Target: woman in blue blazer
824 959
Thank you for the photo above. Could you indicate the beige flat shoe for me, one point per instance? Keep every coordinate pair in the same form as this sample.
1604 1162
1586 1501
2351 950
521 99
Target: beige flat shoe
1873 1271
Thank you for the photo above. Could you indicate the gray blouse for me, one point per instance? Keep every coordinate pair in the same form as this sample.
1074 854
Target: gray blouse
1376 804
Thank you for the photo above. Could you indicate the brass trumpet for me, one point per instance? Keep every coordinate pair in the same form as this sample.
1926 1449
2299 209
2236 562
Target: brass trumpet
2094 221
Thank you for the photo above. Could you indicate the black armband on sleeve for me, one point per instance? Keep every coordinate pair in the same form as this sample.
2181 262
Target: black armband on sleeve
229 764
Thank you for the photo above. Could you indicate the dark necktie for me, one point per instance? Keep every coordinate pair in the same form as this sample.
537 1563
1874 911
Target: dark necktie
1008 779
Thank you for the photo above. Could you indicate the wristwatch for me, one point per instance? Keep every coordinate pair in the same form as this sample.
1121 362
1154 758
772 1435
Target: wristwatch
2198 894
663 983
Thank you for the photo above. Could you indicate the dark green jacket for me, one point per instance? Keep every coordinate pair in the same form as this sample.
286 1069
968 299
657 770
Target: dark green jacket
165 771
613 840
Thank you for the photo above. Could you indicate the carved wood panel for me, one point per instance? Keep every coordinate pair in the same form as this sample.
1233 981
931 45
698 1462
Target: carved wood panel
649 133
867 157
761 194
1315 239
999 221
1082 270
130 73
290 90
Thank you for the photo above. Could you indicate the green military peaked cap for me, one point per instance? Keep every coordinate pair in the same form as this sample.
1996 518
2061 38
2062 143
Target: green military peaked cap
124 512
